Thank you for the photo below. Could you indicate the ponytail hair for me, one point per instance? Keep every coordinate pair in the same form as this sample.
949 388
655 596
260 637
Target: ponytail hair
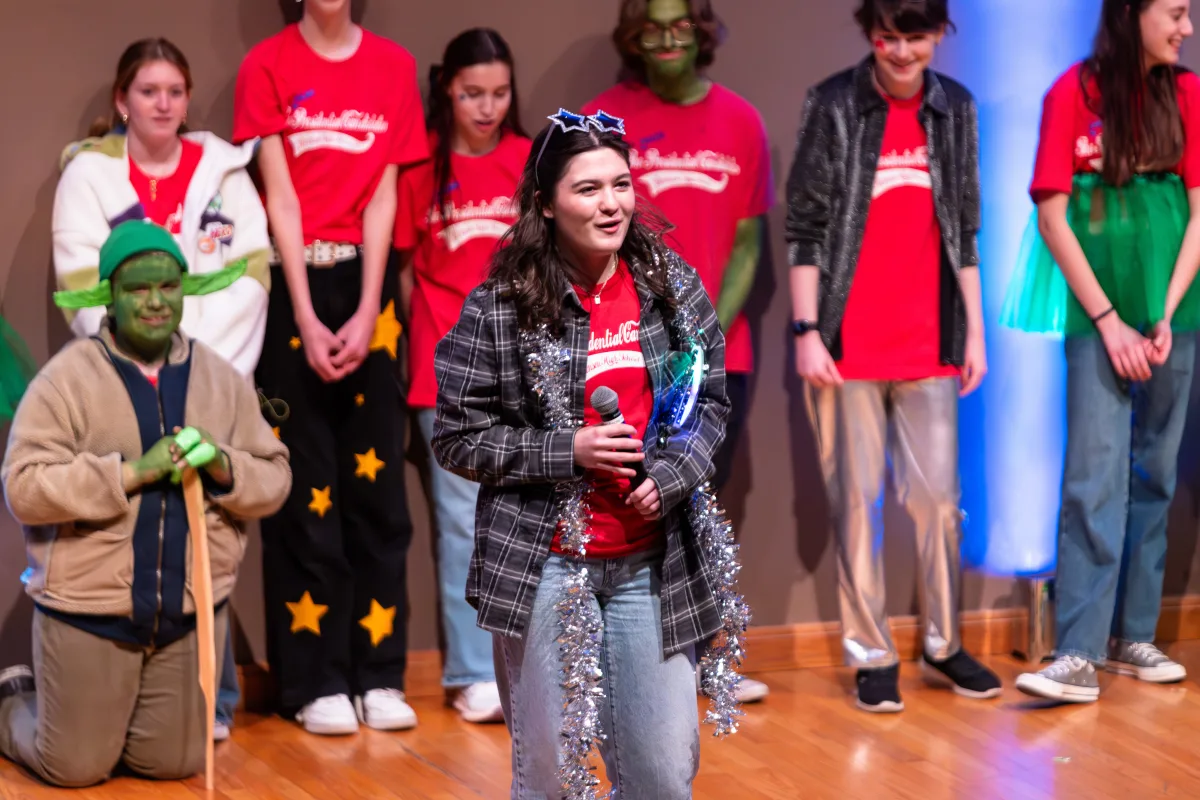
136 56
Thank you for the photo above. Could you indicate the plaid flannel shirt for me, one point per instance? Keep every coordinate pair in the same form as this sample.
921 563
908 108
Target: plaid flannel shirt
489 430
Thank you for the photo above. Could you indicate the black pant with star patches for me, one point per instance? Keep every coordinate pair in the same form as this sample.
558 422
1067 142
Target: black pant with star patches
334 558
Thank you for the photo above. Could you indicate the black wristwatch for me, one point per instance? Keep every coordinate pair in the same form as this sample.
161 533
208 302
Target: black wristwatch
803 326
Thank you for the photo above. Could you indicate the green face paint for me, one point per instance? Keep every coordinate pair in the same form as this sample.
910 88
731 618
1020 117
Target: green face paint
147 305
668 41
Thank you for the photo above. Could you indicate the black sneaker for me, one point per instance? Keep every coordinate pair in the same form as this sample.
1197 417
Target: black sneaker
968 677
16 680
879 690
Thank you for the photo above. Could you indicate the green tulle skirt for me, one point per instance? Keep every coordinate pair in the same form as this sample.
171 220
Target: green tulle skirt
17 369
1131 237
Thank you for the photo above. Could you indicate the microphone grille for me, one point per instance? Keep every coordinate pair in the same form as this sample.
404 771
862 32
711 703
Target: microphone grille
606 403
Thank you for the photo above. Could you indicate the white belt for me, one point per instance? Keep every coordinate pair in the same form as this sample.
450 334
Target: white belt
322 254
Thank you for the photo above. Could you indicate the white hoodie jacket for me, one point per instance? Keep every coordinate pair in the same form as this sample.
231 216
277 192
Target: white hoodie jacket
223 221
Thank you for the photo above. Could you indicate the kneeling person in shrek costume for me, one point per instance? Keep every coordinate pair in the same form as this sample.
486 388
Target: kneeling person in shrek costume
92 471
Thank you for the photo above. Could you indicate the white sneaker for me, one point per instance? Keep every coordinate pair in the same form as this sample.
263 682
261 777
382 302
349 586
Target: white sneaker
329 716
220 731
748 690
385 710
480 702
751 691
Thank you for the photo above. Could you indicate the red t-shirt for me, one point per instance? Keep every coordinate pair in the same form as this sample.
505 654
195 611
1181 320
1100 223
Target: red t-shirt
891 329
342 122
615 360
706 166
163 199
454 245
1072 135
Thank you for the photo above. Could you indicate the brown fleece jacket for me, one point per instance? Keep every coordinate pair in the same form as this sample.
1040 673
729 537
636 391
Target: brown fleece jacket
62 474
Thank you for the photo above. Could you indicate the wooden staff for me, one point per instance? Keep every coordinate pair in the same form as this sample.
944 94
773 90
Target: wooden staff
202 595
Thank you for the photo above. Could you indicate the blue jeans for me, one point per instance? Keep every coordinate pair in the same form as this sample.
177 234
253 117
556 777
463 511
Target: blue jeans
468 647
1118 482
649 712
228 692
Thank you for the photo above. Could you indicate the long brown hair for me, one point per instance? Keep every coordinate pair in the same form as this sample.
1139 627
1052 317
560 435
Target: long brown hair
136 56
710 33
471 47
528 262
1143 128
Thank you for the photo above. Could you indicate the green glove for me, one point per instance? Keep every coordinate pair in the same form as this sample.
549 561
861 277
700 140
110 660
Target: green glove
157 462
198 453
188 438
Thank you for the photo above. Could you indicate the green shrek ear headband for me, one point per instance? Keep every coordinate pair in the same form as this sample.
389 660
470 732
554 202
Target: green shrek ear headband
139 237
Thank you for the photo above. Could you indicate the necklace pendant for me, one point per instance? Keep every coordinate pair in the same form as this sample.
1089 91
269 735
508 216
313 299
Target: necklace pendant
596 299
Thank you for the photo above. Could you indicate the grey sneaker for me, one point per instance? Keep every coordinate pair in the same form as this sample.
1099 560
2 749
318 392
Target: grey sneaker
1070 679
1143 661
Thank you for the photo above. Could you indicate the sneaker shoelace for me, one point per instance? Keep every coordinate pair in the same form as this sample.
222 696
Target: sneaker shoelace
1147 652
330 703
1064 666
387 694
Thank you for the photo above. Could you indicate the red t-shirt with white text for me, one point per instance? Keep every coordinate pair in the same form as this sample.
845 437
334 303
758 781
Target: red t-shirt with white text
162 198
342 122
706 166
1072 136
892 325
453 244
615 360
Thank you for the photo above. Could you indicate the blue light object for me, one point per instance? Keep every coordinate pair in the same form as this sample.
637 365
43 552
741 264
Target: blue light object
1012 431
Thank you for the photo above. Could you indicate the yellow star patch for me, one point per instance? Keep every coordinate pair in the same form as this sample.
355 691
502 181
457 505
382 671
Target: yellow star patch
387 331
306 615
295 343
360 400
320 502
368 465
379 622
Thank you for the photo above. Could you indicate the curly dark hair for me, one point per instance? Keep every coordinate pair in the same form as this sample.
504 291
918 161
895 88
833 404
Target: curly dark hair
710 33
528 263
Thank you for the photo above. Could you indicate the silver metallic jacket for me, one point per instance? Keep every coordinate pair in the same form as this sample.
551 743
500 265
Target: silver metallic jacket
833 175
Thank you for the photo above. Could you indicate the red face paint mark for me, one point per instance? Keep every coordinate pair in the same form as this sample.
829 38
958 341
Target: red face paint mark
880 44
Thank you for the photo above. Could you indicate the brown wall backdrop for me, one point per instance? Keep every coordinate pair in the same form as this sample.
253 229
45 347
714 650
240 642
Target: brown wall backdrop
55 71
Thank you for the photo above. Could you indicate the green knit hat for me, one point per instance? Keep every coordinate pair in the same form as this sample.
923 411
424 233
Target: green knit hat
135 238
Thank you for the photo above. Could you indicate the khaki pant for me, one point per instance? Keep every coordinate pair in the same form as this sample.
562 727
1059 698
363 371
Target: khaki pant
100 702
852 424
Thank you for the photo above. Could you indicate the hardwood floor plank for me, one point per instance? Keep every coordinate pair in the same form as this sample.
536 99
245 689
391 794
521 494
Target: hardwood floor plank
807 740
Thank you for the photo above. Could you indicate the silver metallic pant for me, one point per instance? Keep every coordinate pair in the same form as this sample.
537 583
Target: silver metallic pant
851 427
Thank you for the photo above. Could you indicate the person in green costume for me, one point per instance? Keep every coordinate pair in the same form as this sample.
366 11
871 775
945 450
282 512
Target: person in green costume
96 451
700 154
1109 263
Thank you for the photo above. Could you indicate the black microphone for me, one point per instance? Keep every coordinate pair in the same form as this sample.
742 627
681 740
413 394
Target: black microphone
608 406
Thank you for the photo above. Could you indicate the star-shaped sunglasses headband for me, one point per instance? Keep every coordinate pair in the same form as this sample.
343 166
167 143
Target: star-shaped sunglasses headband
568 121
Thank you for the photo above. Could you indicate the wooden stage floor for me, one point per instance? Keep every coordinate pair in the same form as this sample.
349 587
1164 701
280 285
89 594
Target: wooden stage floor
806 741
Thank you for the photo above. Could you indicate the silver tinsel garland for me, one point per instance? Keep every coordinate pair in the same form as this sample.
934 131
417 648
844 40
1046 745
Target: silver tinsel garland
720 664
582 628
